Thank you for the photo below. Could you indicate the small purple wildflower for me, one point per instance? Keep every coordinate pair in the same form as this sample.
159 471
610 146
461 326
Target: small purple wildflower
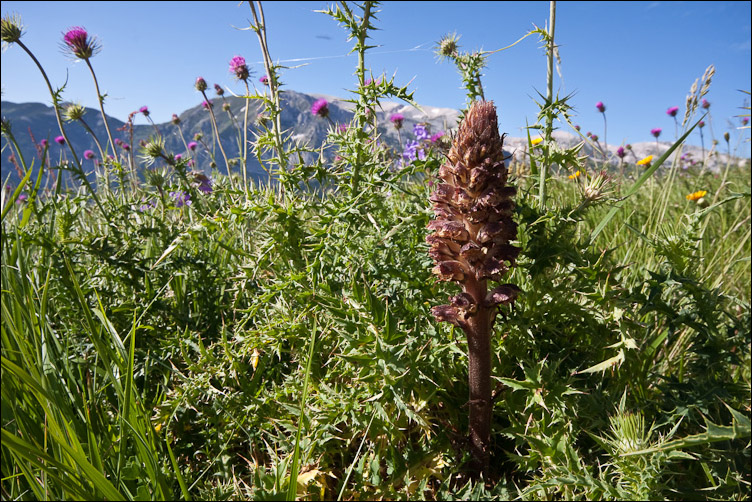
144 110
656 132
239 68
60 140
79 43
672 111
200 84
126 146
620 152
745 121
600 106
577 128
22 198
44 143
413 151
343 128
594 137
149 205
264 80
118 142
320 107
207 104
175 119
192 145
88 154
218 89
701 124
420 132
705 104
397 119
181 198
178 157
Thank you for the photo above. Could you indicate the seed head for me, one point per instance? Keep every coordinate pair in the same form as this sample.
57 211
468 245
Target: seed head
73 112
11 28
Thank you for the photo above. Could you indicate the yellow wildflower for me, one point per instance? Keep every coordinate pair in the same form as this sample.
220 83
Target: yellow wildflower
536 141
646 161
697 195
575 175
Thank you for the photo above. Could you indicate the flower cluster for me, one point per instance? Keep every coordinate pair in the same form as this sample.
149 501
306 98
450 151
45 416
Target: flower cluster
473 225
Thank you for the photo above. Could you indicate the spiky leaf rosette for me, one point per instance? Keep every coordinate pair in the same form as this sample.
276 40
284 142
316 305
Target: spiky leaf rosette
473 226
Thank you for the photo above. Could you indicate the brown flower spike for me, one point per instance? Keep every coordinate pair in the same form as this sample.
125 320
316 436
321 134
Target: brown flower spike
470 245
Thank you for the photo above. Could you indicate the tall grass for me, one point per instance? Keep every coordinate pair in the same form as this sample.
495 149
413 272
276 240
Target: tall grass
273 339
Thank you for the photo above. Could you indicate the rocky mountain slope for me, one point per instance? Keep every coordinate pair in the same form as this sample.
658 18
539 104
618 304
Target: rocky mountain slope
37 121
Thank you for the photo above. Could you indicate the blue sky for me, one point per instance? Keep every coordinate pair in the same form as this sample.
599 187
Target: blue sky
638 58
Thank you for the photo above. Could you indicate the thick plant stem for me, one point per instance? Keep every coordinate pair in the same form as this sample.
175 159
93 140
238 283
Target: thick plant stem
479 377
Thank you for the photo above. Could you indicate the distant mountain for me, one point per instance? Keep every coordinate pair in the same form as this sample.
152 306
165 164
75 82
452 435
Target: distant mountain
27 119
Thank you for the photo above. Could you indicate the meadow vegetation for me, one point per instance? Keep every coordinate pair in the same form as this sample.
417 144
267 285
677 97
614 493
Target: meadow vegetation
172 331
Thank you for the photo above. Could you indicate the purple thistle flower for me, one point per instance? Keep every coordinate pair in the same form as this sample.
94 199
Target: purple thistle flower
60 140
118 142
343 128
79 43
672 111
192 146
397 119
594 137
320 107
200 84
620 152
745 121
264 79
218 89
43 143
175 119
701 124
207 104
705 104
22 198
436 136
126 146
600 106
577 128
88 154
239 68
144 110
656 132
178 157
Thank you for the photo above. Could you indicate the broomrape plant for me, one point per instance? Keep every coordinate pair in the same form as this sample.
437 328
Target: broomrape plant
470 245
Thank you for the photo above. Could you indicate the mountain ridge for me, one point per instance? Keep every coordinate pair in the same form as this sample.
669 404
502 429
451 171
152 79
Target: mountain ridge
38 119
